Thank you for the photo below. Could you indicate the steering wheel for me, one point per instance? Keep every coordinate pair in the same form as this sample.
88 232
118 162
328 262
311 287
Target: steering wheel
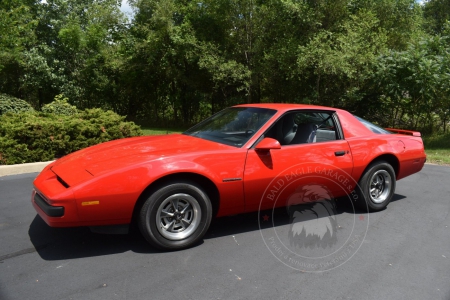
249 132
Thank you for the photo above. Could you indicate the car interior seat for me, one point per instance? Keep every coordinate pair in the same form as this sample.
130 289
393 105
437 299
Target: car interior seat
306 133
286 129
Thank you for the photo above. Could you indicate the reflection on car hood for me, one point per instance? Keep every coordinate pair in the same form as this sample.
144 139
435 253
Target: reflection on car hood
96 160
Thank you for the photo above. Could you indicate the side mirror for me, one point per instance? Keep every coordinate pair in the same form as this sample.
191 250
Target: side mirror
268 144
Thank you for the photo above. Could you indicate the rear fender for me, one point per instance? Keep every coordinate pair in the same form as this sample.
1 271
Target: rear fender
366 150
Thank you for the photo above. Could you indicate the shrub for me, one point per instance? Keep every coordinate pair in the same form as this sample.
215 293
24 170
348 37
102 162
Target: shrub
437 141
60 106
10 104
31 136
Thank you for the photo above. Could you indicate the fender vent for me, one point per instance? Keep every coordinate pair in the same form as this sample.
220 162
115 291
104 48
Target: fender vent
62 182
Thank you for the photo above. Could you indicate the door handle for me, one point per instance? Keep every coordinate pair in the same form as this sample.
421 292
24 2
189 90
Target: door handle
339 153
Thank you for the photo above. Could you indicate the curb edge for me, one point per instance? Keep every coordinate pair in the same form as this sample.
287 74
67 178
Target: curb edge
6 170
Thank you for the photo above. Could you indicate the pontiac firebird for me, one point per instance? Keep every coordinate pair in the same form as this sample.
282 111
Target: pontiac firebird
234 162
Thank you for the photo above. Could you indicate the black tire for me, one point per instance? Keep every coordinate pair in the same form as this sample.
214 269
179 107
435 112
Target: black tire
376 187
168 228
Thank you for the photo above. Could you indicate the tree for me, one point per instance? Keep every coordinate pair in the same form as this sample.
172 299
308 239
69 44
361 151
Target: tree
436 13
17 26
414 85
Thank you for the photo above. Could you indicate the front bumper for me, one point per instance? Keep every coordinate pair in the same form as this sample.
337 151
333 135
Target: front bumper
51 211
62 213
55 202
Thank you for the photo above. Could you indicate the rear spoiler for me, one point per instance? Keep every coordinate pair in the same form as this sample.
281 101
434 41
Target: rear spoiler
401 131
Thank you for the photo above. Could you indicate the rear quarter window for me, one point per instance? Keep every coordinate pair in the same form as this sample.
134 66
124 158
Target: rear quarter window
372 127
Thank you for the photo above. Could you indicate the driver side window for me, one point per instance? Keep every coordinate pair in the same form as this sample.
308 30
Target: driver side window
304 127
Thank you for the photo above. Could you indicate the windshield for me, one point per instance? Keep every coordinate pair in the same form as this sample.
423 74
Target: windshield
233 126
372 127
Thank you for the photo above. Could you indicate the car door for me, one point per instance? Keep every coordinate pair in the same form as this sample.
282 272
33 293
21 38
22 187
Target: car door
312 151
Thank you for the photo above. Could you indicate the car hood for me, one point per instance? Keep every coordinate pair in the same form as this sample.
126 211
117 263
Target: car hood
94 161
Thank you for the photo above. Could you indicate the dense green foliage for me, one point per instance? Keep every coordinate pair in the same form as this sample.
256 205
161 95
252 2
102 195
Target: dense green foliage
437 141
30 136
60 106
13 105
177 61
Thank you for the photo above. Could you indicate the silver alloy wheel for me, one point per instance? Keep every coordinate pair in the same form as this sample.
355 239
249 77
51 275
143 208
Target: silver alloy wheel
380 186
178 216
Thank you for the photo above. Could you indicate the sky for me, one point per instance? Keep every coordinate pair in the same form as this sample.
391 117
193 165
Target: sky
125 7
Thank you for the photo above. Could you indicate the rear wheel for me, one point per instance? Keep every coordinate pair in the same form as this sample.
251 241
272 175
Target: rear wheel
376 186
176 216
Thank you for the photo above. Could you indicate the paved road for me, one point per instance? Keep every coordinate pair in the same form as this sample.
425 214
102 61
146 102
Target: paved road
405 255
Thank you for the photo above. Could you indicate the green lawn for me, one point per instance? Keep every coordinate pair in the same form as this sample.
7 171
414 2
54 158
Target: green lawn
158 131
438 156
437 148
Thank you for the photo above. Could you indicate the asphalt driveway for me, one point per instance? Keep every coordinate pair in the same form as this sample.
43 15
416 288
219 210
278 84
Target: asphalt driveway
404 255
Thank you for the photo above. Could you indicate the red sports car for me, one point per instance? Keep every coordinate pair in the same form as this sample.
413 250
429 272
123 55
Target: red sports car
242 159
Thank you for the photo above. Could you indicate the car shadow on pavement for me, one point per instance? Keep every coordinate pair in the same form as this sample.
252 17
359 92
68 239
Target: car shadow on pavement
396 198
71 243
231 225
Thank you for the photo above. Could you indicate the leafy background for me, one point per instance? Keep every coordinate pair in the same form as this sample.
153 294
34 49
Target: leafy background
174 62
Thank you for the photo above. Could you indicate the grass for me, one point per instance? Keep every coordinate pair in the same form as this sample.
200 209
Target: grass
438 156
437 148
159 131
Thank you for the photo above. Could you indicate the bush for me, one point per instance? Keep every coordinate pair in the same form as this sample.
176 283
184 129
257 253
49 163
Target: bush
31 136
60 106
437 141
10 104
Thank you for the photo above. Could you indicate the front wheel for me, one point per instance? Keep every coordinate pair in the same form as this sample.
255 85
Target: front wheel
176 216
376 186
